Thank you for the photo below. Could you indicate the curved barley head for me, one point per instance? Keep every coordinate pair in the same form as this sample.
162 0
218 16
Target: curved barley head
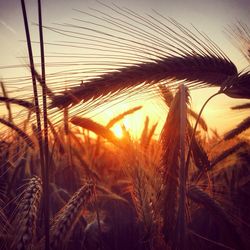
64 222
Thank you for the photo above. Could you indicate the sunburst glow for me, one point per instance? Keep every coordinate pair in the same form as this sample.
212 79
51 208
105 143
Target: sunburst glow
118 131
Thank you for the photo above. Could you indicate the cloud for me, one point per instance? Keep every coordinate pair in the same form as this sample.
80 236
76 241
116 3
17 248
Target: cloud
9 28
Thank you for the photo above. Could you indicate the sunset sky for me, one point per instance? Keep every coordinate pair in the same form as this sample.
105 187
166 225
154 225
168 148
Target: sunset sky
211 17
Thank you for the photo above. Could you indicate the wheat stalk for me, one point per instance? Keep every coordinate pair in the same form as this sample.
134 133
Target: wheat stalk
181 219
43 148
25 222
64 222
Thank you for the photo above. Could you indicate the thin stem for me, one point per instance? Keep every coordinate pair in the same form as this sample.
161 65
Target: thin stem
195 127
45 120
32 67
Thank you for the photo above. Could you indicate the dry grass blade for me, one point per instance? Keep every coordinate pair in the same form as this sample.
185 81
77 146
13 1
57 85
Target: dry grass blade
193 68
244 125
227 153
64 222
95 127
22 134
243 106
25 221
116 119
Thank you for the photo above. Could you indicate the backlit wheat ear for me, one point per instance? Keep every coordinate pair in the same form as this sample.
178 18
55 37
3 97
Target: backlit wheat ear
150 135
116 119
66 219
199 154
22 134
168 98
169 51
95 127
141 199
244 125
239 87
25 221
144 133
194 68
170 139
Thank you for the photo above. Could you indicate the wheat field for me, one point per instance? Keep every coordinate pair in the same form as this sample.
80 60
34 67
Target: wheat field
68 181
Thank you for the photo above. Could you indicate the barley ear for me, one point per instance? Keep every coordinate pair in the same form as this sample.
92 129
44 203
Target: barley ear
170 139
25 220
95 127
64 222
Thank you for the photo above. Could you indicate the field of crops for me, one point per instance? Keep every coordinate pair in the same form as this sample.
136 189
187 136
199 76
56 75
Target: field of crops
69 181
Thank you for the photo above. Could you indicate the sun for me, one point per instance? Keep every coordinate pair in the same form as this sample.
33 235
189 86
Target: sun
117 130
